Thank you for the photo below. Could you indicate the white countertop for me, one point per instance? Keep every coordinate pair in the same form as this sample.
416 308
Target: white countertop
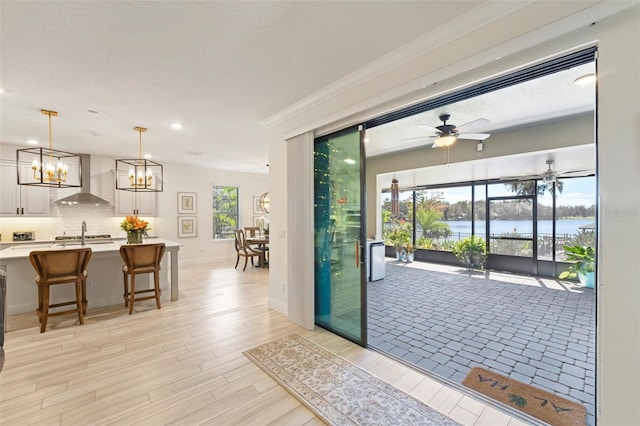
22 251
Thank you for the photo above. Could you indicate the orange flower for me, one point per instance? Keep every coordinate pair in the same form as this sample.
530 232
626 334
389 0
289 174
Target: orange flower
133 223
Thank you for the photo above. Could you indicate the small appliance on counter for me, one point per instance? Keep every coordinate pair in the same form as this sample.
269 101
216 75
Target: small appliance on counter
24 235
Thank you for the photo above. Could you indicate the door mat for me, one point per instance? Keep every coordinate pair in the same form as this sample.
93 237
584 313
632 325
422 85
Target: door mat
538 403
337 391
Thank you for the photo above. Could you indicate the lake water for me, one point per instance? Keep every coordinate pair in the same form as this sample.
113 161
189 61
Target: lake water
564 226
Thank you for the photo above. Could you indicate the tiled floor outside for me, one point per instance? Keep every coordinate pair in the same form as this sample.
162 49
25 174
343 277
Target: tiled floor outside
446 320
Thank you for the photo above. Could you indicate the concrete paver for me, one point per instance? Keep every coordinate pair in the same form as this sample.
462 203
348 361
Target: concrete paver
446 320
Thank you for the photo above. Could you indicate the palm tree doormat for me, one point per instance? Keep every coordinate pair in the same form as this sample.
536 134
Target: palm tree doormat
536 402
338 392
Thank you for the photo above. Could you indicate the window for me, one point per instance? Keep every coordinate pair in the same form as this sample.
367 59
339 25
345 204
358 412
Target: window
225 212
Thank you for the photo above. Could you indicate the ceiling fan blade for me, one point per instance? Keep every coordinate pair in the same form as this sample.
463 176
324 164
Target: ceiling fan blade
419 137
427 127
574 173
474 136
472 124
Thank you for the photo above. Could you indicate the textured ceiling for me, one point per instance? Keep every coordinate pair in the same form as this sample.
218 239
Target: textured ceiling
220 68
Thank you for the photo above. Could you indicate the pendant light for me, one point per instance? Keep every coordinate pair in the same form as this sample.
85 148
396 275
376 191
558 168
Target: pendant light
139 175
48 167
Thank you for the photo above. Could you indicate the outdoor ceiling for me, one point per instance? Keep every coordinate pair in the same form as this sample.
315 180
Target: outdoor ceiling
548 99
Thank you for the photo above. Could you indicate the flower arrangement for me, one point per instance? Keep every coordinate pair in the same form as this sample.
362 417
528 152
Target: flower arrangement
135 228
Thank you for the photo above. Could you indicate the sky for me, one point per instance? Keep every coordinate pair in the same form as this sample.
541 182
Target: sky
576 191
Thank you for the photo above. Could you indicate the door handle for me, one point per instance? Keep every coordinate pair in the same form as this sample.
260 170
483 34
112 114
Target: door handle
22 210
357 254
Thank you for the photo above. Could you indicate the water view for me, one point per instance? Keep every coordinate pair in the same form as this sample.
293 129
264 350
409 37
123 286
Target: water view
498 227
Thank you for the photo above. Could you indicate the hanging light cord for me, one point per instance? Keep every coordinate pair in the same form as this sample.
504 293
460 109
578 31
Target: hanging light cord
140 130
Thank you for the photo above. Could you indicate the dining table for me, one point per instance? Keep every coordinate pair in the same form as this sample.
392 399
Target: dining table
262 241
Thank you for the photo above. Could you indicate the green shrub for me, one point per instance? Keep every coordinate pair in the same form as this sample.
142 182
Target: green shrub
471 251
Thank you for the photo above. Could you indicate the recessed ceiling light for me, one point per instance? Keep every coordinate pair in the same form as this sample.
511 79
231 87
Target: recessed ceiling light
349 161
32 142
177 126
583 80
147 156
1 90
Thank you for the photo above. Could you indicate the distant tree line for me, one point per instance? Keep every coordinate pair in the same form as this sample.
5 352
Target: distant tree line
505 210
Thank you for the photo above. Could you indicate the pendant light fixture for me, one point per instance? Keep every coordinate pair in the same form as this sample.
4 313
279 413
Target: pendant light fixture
48 167
139 175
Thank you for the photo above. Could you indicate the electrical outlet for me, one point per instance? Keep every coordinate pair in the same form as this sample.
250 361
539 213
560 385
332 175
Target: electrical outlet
281 234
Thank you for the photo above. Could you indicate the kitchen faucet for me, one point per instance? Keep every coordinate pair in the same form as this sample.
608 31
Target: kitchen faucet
84 229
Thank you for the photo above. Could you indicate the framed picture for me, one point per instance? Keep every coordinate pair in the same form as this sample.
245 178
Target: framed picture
187 202
256 205
187 227
260 221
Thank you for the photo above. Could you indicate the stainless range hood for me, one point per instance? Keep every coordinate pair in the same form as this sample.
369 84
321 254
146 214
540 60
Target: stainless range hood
84 196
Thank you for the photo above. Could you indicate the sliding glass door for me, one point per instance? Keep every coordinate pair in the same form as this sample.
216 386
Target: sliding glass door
339 197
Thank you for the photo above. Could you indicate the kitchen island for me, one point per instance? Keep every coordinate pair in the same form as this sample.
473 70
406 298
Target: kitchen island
104 282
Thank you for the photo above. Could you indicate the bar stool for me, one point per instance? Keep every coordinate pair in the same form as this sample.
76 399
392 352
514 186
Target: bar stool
54 267
141 259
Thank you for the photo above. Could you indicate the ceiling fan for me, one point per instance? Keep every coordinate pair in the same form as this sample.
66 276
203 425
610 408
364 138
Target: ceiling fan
550 175
446 134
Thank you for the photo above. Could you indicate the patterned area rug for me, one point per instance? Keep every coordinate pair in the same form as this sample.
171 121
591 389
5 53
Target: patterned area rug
546 406
338 392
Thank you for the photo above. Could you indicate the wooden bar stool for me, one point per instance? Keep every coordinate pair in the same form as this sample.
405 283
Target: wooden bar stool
55 267
141 259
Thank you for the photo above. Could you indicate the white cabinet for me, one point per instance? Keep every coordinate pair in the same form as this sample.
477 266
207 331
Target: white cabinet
137 203
21 200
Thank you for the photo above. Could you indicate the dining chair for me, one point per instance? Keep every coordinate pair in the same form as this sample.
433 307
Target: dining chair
252 231
141 259
245 250
55 267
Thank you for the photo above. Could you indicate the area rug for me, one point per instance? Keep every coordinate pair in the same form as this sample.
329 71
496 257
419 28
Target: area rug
536 402
337 391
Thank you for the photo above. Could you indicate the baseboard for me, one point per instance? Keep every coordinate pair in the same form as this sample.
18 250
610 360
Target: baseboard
278 305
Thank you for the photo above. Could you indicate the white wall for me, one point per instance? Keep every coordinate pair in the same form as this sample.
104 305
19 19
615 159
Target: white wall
532 34
190 179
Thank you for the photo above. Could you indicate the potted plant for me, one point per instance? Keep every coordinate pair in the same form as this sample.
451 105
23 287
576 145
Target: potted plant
583 265
135 228
399 237
471 251
409 249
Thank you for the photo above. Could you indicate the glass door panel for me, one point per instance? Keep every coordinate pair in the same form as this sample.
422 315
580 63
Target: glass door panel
511 226
340 299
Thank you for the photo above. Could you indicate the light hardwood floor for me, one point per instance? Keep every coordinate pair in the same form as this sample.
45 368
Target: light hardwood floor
183 364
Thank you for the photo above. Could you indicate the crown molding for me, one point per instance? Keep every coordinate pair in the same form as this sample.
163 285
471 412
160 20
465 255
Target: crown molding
475 18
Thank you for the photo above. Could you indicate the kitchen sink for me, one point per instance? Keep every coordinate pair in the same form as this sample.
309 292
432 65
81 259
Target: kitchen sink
78 243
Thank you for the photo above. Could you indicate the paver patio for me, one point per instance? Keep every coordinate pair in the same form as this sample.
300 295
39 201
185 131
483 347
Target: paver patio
445 320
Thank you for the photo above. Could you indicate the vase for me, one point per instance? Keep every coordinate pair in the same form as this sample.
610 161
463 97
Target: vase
587 279
408 257
134 237
399 255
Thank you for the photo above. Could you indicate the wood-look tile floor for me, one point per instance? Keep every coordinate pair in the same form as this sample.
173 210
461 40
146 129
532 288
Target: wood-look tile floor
183 364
